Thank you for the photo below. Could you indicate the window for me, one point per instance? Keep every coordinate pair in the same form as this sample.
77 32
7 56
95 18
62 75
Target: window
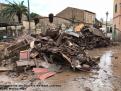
115 8
110 29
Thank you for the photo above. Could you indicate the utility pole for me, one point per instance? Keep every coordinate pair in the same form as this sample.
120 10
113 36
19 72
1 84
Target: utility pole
29 30
73 16
106 22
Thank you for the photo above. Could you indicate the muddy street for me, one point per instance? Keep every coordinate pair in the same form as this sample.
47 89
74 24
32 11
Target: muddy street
107 78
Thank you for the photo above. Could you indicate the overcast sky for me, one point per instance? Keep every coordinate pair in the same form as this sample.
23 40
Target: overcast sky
44 7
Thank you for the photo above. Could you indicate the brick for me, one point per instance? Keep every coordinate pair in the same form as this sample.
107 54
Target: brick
46 75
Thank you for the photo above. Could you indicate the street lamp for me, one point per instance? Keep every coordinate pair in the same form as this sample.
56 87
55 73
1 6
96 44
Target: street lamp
29 31
106 21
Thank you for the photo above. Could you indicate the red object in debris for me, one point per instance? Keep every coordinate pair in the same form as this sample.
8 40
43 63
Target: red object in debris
47 75
40 70
24 54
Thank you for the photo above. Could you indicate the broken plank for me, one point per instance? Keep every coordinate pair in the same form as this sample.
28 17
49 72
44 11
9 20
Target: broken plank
25 63
2 69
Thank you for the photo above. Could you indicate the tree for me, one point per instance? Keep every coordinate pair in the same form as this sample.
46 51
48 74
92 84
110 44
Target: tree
13 9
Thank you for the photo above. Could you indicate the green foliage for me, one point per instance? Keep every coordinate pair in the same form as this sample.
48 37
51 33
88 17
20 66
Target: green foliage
13 9
35 17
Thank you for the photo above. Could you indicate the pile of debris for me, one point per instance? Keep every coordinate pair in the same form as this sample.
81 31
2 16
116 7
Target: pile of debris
48 50
89 38
54 51
66 53
95 38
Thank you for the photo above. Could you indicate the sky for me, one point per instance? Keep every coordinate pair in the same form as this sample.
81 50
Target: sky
44 7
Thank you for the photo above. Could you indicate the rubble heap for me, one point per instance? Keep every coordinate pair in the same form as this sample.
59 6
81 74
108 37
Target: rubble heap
55 49
52 48
90 38
66 53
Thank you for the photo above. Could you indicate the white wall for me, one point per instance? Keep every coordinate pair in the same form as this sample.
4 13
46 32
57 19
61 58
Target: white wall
26 25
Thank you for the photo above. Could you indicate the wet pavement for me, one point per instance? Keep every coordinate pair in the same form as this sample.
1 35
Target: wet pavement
107 78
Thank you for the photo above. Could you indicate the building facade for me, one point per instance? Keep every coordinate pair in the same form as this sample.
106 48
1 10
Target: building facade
6 21
78 15
117 14
117 20
2 6
58 21
2 19
10 26
89 17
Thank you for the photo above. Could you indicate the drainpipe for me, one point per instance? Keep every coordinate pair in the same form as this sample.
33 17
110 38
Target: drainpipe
106 22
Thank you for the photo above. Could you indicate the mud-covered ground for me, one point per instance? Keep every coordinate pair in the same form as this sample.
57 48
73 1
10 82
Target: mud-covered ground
107 78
